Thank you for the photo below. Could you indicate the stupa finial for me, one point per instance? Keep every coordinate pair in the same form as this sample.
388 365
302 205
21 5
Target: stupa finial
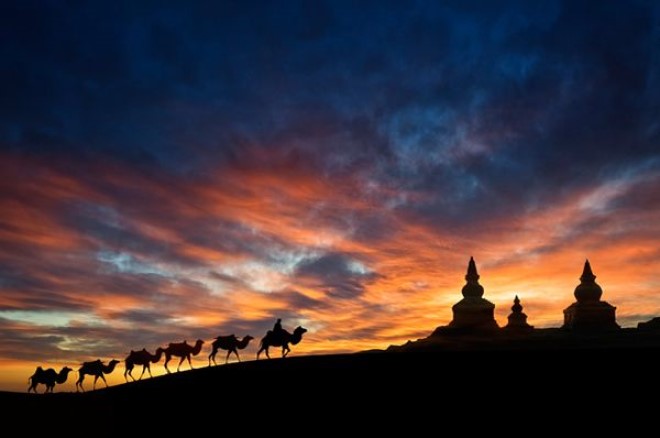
472 287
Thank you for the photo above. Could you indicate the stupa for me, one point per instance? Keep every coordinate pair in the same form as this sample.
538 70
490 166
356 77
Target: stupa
473 312
517 319
589 312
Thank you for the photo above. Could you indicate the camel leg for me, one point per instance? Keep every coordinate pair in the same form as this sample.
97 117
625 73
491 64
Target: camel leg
189 362
227 358
104 381
267 355
149 369
237 356
212 355
79 383
180 362
167 359
96 378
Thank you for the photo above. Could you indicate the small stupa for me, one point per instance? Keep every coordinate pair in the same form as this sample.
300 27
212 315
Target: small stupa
589 312
517 319
473 311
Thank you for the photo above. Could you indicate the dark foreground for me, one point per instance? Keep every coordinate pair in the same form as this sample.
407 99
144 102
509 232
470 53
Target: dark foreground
395 392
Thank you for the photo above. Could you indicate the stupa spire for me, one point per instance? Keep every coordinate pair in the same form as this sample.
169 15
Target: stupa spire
473 312
472 288
517 319
587 273
516 308
588 289
472 274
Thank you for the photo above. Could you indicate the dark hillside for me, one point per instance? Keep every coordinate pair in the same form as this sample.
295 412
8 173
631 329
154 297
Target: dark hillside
413 389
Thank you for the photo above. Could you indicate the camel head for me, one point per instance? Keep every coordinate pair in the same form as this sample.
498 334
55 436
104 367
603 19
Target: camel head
198 346
111 366
243 342
63 375
297 335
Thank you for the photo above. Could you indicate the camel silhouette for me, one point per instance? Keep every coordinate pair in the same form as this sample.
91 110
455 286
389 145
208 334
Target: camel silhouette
48 377
97 369
282 340
142 357
229 343
182 350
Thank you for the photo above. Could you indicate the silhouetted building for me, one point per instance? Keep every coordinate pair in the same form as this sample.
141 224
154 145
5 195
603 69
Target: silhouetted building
473 311
517 319
653 324
589 312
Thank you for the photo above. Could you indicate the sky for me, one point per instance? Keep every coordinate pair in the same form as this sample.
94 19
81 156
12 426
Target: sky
178 171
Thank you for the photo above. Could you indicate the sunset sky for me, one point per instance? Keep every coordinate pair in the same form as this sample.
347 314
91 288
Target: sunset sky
171 173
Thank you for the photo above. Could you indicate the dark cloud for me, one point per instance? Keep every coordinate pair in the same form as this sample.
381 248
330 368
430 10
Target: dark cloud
340 275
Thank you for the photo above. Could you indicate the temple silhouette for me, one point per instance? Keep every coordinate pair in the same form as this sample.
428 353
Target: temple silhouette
517 319
476 315
589 324
473 312
587 313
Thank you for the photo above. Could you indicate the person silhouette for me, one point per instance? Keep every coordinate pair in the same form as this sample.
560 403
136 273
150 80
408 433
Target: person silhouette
277 328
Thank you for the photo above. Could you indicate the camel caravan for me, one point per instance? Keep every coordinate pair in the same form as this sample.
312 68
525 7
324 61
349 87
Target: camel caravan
277 337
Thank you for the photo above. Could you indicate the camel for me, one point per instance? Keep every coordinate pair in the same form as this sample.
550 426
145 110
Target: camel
274 340
182 350
48 377
229 343
142 357
97 369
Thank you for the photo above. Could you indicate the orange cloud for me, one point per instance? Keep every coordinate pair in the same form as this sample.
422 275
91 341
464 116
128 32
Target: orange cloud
157 258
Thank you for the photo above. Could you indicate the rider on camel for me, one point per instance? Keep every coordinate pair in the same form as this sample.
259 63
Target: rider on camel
277 328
